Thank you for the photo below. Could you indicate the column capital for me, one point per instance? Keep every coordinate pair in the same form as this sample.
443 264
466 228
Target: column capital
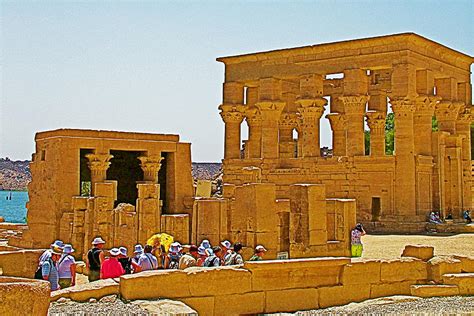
150 166
402 105
447 110
232 113
288 120
98 163
270 110
376 121
311 108
465 117
338 121
425 104
253 117
354 104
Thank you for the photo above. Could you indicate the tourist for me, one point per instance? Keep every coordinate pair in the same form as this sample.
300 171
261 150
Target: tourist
45 256
467 216
356 243
159 252
173 256
147 260
137 253
259 252
111 267
213 259
226 247
236 256
49 269
189 259
434 218
94 259
67 268
202 255
127 263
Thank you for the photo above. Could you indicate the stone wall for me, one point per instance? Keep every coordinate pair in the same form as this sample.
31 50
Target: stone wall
20 263
20 296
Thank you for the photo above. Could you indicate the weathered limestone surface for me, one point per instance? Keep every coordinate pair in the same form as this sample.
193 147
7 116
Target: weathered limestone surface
20 263
84 292
19 296
422 252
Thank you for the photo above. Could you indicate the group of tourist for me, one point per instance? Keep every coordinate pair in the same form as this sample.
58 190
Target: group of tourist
435 217
58 266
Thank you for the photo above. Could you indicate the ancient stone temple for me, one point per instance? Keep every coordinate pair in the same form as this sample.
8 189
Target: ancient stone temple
121 186
283 93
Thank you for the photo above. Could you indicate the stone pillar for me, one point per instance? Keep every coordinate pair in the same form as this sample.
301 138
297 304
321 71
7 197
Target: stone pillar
405 196
311 111
338 125
271 112
447 113
463 128
287 146
422 123
98 164
376 122
253 147
232 115
354 109
150 166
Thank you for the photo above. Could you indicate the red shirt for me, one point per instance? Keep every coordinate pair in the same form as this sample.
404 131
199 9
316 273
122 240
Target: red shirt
111 268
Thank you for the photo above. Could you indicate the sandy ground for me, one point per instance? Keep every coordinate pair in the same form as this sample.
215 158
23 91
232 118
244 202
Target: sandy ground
391 246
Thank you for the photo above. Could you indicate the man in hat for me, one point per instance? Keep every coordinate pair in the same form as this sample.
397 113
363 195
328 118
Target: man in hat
189 259
111 267
94 259
147 260
67 268
49 269
236 256
259 252
173 256
47 253
226 248
137 253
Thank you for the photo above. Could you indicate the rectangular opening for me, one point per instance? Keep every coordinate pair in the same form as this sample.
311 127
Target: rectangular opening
376 208
284 229
339 75
85 187
162 180
125 169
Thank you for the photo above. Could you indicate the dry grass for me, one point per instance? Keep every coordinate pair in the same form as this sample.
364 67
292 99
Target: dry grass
391 246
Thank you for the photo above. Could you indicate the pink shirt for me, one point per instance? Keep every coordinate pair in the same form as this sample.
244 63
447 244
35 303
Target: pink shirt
111 268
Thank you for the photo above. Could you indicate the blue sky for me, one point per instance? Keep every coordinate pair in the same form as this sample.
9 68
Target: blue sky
150 65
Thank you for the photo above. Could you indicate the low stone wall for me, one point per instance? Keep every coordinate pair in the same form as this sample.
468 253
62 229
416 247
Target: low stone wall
19 296
278 286
20 263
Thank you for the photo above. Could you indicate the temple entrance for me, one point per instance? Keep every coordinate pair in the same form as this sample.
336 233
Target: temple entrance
162 181
376 207
125 169
85 187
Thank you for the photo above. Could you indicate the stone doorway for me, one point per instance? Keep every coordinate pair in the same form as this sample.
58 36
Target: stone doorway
125 169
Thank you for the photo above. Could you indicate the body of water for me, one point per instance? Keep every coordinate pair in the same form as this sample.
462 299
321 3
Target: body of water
14 210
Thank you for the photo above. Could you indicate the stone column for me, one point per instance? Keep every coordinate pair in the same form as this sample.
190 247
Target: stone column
405 193
376 122
447 113
311 111
354 109
338 125
98 164
151 166
232 115
422 123
287 146
271 112
463 127
254 143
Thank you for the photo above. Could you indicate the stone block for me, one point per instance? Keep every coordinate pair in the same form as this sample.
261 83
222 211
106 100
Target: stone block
21 296
434 290
105 189
465 282
295 273
422 252
222 280
403 270
467 263
389 289
203 305
318 237
149 285
240 304
97 290
165 307
291 300
438 266
361 272
340 295
79 202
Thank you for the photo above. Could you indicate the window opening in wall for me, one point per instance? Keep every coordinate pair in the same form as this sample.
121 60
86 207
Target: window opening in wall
85 184
246 101
125 169
338 75
162 180
376 208
295 141
325 131
43 155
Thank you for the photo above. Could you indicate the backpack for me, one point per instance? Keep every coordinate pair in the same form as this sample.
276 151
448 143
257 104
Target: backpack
210 261
174 261
39 271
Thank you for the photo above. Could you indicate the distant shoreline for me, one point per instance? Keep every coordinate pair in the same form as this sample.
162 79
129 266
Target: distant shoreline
23 190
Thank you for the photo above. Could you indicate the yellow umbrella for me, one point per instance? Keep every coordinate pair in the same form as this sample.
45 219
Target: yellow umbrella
165 239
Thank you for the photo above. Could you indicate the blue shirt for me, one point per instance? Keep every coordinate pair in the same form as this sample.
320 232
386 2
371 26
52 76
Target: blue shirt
49 269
